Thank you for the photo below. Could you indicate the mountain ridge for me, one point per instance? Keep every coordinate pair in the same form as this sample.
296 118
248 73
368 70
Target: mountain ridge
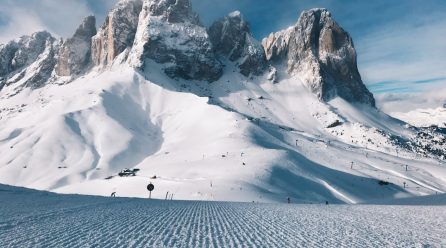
119 31
204 114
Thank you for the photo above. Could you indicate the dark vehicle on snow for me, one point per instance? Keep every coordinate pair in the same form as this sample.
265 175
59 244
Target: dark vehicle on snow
128 173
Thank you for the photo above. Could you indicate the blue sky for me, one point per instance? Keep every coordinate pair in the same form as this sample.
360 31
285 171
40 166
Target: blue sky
401 44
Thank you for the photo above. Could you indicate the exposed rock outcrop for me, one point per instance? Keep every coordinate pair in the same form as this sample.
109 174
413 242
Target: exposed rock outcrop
232 38
75 53
273 74
173 11
16 55
117 33
29 61
276 45
40 72
170 33
319 51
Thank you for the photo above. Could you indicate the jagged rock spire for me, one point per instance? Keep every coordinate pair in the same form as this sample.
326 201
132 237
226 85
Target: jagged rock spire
29 60
322 54
232 38
18 54
117 33
173 11
169 33
87 29
75 53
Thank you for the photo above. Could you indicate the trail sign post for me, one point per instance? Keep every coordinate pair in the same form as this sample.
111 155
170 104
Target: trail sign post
150 188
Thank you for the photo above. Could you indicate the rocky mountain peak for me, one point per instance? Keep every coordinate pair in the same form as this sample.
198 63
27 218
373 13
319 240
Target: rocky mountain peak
29 60
319 51
18 54
232 38
169 33
75 53
117 33
229 35
174 11
86 29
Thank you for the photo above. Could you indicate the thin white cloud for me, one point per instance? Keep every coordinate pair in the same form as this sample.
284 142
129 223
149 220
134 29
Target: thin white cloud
405 102
60 17
404 52
17 27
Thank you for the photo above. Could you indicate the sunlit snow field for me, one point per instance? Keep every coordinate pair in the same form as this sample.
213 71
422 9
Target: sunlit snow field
38 219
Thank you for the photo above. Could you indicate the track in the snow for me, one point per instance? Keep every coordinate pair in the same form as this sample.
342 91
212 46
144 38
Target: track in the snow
49 220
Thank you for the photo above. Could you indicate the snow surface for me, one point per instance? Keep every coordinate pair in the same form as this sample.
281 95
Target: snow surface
39 219
237 139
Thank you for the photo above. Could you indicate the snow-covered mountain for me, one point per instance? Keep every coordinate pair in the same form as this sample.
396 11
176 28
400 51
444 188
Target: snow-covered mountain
424 117
205 113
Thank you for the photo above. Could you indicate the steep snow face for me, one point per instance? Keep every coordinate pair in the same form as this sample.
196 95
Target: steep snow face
169 33
75 53
322 54
117 33
232 38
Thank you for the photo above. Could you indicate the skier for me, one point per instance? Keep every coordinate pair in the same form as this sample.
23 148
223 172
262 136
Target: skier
113 194
326 202
289 200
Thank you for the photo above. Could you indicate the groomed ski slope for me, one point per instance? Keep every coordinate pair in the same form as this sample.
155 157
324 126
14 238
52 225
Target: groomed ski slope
38 219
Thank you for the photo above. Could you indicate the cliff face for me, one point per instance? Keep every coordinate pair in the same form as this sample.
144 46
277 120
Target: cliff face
316 49
322 54
30 60
17 55
75 53
170 34
232 38
117 33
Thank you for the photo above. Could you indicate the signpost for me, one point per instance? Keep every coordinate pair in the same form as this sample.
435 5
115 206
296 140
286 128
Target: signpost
150 188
